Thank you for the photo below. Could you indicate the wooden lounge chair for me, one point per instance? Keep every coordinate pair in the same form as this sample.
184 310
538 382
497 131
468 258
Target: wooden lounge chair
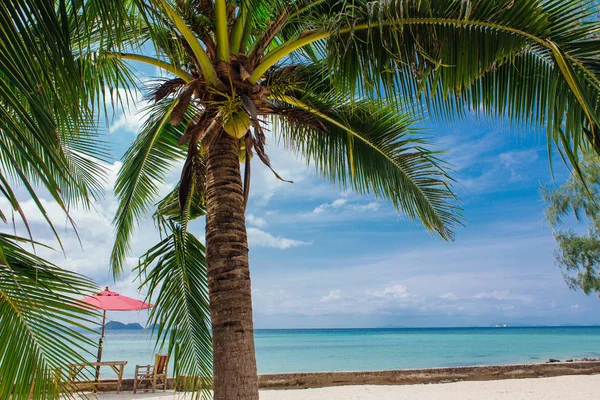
153 374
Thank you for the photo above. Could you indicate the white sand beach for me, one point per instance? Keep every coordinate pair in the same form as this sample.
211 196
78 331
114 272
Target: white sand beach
576 387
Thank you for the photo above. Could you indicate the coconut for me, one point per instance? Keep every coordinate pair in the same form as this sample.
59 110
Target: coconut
242 152
237 124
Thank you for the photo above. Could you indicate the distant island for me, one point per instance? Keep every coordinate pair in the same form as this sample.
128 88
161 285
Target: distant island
116 325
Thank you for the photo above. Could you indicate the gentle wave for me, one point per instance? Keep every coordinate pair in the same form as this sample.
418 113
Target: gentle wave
310 350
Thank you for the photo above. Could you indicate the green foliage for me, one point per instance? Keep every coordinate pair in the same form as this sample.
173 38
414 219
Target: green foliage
578 255
369 146
342 80
145 165
47 135
41 323
532 61
174 271
49 142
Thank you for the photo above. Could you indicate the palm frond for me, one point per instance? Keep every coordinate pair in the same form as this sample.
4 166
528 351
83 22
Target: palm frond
370 147
42 329
174 272
48 135
531 61
145 166
171 209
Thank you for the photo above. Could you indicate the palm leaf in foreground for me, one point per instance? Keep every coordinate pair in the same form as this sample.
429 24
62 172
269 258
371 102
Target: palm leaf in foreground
49 145
41 324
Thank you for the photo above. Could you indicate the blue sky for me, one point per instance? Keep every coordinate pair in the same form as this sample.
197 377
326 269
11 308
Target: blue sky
324 257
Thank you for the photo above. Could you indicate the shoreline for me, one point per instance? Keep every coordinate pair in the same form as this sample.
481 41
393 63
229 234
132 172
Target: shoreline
427 375
310 380
575 387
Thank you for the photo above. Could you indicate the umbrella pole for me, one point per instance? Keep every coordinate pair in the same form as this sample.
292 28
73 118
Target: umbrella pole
100 344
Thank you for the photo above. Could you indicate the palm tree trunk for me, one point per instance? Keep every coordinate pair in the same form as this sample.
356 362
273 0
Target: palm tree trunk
234 362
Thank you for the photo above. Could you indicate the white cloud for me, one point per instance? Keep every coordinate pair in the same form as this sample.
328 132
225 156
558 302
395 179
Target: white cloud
448 296
392 292
335 204
332 296
514 162
88 250
338 203
516 158
503 295
481 163
482 282
372 206
276 301
257 237
256 221
131 116
466 150
342 204
265 185
575 307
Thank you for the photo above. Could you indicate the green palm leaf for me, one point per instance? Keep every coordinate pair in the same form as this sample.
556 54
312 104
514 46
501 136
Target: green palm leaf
174 271
169 208
145 166
49 142
457 55
370 147
47 134
41 329
534 62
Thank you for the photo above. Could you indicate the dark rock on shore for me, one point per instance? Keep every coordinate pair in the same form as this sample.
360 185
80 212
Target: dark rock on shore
570 360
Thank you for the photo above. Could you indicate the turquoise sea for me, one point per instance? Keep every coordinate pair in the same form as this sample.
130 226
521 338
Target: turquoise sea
302 350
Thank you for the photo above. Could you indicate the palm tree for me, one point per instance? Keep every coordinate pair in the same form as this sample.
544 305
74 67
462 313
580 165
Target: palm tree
341 82
48 144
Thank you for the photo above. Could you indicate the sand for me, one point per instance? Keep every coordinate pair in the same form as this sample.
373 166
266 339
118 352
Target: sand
577 387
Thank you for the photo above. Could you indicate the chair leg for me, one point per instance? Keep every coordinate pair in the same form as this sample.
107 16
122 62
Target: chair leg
154 385
135 385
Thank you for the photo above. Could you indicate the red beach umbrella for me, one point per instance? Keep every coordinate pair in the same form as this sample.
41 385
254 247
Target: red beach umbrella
112 301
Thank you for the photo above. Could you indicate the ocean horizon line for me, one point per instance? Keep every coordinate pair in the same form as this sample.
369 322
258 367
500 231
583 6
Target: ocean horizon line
504 326
434 327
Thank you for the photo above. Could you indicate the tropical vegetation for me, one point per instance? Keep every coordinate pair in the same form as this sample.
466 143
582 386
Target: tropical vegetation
341 83
577 251
49 150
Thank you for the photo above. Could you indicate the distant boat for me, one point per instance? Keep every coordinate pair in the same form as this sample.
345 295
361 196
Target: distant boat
500 326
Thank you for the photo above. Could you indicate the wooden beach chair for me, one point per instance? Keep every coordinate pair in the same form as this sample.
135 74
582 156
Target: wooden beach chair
156 374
